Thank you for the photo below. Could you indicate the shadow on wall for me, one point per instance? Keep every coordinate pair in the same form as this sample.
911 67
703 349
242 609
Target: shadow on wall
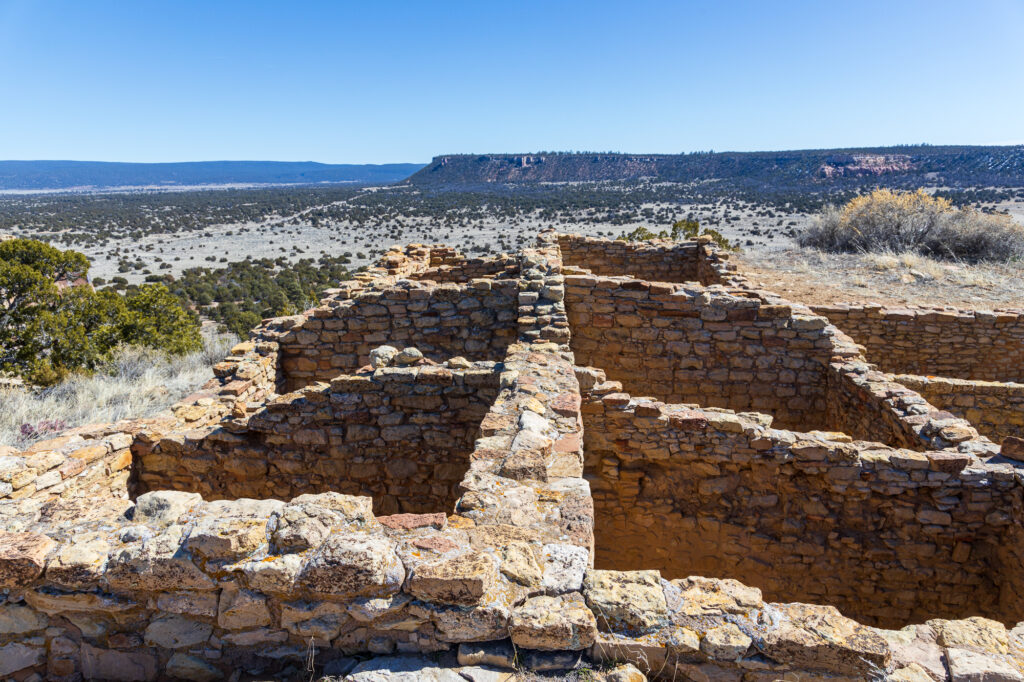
401 435
854 525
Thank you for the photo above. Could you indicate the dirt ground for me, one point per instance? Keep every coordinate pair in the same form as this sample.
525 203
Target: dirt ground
813 277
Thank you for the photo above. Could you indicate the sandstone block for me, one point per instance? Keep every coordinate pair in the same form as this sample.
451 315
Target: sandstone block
972 666
184 667
16 619
177 632
820 638
626 601
22 557
164 506
240 609
563 568
17 656
553 623
354 564
725 643
460 581
122 666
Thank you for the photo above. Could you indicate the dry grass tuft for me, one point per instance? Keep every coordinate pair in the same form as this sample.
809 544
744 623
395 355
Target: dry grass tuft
135 383
888 222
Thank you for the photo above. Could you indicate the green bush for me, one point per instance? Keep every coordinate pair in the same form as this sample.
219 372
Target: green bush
52 324
682 230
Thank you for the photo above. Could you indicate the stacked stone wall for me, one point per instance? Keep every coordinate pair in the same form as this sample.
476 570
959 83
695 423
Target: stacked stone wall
168 585
962 344
476 321
702 346
888 536
401 435
661 260
461 270
995 408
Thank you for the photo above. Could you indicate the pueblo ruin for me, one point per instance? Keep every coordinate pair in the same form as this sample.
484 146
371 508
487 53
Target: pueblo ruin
591 450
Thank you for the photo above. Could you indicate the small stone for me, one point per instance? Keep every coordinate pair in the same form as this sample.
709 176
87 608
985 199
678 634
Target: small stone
22 557
109 664
553 624
910 673
241 609
382 356
499 654
164 507
626 601
725 643
408 356
185 667
460 581
519 565
176 632
1013 448
458 362
16 619
16 656
972 666
624 673
564 567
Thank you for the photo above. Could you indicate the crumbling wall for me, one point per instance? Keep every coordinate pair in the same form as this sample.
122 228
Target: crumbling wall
167 585
888 536
455 268
401 435
660 260
869 405
703 346
951 343
995 408
475 320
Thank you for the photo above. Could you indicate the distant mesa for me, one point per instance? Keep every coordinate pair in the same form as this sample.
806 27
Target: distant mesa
808 169
50 175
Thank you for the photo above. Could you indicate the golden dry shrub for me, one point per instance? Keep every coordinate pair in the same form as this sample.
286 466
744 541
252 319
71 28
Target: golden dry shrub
917 222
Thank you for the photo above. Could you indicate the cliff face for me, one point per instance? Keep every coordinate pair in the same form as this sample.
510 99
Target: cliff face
865 164
956 166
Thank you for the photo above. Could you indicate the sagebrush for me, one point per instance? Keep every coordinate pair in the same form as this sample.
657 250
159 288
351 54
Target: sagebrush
916 222
135 382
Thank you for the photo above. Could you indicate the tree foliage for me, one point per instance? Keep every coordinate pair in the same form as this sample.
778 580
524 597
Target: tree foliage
682 230
52 323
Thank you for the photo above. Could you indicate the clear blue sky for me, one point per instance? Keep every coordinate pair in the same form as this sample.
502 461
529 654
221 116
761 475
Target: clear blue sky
375 82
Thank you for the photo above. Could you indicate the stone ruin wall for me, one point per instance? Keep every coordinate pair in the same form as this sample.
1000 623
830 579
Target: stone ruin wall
943 342
691 346
166 584
659 260
476 321
887 536
995 408
711 347
401 435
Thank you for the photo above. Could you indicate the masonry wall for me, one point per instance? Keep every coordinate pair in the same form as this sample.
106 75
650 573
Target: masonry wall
888 536
475 320
660 261
996 409
401 435
454 268
694 345
951 343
